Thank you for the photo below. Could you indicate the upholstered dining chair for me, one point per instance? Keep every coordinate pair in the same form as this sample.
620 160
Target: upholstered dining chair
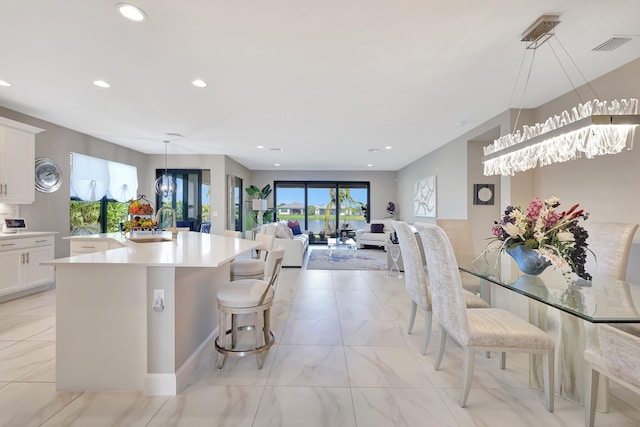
489 329
253 268
611 244
616 358
461 238
244 298
416 281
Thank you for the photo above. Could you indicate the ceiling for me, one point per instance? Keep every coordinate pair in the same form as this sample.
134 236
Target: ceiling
325 81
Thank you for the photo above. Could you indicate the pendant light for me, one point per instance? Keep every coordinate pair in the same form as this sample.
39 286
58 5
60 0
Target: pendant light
165 184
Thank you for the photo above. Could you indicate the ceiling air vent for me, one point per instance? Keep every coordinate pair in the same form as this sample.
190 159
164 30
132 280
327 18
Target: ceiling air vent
611 44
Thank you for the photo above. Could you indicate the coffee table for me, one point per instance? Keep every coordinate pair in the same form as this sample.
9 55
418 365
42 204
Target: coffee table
339 245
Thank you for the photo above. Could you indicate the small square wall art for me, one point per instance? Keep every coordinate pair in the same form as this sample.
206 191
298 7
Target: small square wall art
424 197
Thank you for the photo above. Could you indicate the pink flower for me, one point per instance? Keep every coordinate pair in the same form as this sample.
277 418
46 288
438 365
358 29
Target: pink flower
533 211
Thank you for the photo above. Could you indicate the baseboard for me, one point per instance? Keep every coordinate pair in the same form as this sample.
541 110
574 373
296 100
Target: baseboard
25 292
172 384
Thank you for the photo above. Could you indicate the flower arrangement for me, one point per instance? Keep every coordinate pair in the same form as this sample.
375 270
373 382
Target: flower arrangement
554 235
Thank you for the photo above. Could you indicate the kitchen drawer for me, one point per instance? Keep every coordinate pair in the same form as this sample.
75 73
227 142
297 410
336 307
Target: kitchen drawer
28 242
78 248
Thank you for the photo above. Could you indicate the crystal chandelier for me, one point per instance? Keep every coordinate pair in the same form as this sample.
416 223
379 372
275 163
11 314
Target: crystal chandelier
593 128
165 184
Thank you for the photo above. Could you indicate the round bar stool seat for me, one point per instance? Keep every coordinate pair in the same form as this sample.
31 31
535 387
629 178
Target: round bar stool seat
240 299
253 268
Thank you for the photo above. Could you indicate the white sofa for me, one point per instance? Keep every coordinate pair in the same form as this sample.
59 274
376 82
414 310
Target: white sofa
295 247
364 236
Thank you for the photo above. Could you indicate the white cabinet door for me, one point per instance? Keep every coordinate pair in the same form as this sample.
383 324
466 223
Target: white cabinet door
10 271
17 161
35 274
18 166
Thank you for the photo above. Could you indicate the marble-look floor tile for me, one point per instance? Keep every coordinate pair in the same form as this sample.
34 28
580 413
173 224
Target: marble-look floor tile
31 404
46 335
235 371
322 310
206 405
377 333
39 304
24 357
108 409
311 366
315 296
43 374
397 407
4 344
356 295
385 367
23 327
305 406
312 332
362 310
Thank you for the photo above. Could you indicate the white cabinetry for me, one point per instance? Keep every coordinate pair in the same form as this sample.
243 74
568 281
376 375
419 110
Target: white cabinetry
80 247
17 159
20 260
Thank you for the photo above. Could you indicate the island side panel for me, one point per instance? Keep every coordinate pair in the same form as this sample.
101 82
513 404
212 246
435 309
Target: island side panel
196 312
101 327
161 338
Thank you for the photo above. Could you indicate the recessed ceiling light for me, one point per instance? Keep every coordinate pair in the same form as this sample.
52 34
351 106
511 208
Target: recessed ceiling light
131 12
5 84
370 165
199 83
276 164
279 150
101 83
260 146
388 147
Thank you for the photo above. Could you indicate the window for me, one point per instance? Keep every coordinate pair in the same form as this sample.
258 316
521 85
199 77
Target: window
322 207
100 190
188 197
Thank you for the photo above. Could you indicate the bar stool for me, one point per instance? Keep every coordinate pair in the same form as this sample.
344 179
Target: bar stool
245 298
253 268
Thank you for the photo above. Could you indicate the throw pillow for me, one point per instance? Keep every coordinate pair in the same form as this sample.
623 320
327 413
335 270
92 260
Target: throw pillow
292 224
296 230
377 228
283 232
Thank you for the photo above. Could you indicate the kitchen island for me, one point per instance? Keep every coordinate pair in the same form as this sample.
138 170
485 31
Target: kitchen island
138 317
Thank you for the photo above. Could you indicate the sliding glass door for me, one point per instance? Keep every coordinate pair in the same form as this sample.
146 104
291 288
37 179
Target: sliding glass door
322 208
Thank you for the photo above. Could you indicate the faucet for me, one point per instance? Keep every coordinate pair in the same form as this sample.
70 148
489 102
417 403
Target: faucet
174 232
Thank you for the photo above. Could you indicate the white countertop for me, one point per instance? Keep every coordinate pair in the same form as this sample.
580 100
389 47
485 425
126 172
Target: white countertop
117 237
25 234
191 249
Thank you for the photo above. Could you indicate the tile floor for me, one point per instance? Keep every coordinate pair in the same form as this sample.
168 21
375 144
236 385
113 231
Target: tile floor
342 358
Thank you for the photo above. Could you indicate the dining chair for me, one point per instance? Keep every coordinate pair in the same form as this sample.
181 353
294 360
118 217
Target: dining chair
461 238
205 227
417 283
611 244
616 358
232 233
489 329
243 298
249 267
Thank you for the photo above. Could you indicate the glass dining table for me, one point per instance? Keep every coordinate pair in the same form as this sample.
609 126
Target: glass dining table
567 310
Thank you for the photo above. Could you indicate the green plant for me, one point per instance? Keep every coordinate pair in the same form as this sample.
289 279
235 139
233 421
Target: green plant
259 193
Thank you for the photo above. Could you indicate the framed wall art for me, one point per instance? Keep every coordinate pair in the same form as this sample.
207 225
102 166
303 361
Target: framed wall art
424 197
483 194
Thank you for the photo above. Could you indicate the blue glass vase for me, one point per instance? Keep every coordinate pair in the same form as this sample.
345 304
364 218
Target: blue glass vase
528 260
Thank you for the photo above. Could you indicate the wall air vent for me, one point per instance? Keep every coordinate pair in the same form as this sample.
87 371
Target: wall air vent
611 44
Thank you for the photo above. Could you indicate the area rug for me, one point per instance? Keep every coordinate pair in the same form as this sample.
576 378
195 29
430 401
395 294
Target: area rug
365 259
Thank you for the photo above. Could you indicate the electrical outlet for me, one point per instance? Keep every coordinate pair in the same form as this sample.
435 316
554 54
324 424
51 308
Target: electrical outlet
158 300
